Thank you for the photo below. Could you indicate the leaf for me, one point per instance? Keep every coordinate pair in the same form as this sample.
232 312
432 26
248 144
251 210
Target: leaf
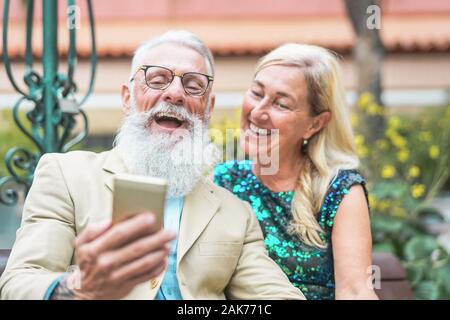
426 290
387 225
419 247
415 274
443 277
388 189
384 247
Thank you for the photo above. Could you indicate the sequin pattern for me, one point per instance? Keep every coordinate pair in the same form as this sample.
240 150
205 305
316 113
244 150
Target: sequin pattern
310 269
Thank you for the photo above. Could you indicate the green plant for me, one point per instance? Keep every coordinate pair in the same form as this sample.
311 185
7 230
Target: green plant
406 169
11 136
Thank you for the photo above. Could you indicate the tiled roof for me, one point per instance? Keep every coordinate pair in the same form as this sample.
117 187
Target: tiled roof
406 26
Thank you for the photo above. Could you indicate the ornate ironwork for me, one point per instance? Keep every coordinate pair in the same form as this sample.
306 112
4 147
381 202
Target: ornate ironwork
56 109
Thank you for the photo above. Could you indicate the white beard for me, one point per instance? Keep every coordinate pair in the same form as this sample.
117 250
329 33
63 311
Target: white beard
183 157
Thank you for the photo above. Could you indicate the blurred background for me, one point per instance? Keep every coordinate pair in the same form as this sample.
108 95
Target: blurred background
396 66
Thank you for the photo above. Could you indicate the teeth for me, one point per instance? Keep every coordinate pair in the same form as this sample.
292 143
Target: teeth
171 115
259 131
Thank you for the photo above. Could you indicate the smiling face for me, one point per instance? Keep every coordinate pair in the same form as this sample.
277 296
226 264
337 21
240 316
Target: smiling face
277 99
179 59
164 133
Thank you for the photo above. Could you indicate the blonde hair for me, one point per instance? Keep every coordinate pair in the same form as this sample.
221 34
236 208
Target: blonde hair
329 150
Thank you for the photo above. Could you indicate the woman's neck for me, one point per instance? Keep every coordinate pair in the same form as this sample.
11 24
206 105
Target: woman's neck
285 178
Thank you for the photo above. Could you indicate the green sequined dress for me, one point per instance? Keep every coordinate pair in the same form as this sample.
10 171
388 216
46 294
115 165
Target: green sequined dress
310 269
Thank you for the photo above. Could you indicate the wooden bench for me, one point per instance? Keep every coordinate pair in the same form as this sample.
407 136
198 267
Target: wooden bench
394 285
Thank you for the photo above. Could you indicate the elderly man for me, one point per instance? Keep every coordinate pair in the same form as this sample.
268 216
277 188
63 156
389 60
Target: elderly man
67 248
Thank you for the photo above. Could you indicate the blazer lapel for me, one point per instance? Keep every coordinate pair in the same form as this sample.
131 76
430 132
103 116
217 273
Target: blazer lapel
199 208
113 165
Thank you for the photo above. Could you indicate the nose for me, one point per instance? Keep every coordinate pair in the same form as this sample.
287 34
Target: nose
175 93
260 111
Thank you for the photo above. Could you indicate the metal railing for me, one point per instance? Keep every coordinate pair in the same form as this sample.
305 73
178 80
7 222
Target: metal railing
56 109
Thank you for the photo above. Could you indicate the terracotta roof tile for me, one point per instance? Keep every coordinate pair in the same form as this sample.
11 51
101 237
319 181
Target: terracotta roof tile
400 33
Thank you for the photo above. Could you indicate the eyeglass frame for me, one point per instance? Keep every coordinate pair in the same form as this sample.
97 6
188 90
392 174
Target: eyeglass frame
145 67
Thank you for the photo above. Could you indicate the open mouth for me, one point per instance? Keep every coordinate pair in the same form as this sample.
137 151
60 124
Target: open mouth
169 120
259 131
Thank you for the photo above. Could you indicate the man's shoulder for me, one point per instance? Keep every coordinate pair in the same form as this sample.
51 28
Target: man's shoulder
79 155
78 158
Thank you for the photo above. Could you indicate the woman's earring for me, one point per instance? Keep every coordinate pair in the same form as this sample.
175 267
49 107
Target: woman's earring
304 145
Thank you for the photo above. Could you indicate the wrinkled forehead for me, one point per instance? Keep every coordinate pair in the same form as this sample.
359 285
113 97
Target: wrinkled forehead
176 57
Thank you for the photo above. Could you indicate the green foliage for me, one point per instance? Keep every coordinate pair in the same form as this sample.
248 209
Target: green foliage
406 169
11 136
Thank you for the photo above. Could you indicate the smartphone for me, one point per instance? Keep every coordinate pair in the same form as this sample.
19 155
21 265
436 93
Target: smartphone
135 194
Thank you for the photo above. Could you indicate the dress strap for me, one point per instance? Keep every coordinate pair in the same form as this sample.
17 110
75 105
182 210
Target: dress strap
335 177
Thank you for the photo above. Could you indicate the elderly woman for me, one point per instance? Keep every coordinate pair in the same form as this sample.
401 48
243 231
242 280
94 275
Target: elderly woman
302 181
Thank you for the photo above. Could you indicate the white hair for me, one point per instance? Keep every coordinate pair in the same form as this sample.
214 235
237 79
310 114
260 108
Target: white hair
178 37
183 158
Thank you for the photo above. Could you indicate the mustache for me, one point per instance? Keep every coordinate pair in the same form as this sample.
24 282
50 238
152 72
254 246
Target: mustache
147 117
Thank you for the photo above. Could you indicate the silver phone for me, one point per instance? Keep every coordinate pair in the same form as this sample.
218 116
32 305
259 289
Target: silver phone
135 194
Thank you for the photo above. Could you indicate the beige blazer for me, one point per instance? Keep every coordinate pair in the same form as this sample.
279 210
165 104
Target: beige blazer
220 254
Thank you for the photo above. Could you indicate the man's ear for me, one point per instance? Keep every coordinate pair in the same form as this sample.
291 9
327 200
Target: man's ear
211 105
319 122
126 99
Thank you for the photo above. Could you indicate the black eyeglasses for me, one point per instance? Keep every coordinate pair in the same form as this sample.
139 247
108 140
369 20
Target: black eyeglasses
160 78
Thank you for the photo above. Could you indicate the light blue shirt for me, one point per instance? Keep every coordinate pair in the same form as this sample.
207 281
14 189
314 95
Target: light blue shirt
170 289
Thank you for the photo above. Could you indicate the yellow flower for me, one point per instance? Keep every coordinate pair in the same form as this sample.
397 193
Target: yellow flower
382 144
414 171
388 171
372 202
373 109
417 190
425 136
433 152
403 155
359 140
399 212
383 205
394 122
237 132
364 100
362 151
354 120
398 141
390 133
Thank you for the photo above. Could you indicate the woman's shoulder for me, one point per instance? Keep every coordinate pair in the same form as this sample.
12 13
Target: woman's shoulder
230 171
339 186
346 178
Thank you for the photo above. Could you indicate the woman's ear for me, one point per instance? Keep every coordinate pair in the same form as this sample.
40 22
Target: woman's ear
318 123
125 94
